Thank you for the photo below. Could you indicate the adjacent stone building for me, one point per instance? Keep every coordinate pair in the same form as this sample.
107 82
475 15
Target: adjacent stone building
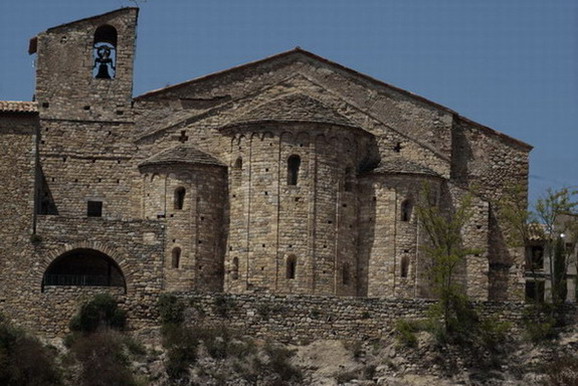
288 175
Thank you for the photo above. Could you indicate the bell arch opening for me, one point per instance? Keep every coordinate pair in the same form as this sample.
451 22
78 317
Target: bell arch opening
84 267
104 52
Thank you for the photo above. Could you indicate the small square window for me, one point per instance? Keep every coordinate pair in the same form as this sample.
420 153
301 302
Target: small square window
94 209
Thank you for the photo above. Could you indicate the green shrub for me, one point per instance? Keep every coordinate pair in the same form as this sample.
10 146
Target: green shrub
279 358
223 305
181 344
216 341
101 311
24 360
405 332
102 358
540 322
134 347
171 309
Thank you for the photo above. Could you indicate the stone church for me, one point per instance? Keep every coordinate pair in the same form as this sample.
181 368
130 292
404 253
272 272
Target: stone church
288 175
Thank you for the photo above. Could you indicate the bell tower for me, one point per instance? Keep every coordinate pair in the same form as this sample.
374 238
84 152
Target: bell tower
84 69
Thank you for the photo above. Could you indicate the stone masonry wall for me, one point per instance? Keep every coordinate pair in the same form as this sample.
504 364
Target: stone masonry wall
65 86
193 232
490 164
288 318
301 318
17 168
314 221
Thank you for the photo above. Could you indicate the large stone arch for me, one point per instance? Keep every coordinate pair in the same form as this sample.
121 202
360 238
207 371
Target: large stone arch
120 259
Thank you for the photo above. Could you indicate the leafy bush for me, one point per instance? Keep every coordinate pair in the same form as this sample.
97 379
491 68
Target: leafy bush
171 309
181 344
540 322
223 305
101 311
24 360
102 358
405 332
279 358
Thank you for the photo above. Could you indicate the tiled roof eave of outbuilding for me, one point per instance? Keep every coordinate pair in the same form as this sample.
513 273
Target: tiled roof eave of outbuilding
18 107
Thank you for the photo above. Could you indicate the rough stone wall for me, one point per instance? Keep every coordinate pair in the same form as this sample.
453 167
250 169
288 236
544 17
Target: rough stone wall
195 232
65 86
388 243
314 221
489 164
288 318
300 318
17 168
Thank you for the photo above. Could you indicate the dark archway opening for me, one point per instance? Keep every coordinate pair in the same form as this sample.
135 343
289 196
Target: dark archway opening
84 267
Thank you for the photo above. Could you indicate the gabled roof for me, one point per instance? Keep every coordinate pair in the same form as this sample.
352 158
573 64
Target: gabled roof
18 107
293 108
296 52
402 166
182 154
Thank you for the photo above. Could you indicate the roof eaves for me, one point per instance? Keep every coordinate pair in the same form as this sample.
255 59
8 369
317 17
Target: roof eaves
18 107
497 133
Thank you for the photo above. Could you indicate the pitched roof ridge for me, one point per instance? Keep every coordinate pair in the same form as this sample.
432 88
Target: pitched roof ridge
217 73
350 71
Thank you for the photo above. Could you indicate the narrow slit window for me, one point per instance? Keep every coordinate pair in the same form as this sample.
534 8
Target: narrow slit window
346 274
104 51
291 267
293 164
180 193
235 269
404 266
94 209
176 258
406 208
348 184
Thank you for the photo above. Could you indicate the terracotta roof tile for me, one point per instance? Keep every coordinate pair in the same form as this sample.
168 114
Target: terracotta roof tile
18 107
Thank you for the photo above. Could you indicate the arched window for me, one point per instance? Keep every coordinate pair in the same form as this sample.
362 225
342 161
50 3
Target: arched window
238 163
404 266
176 257
293 164
346 274
180 197
291 267
235 269
104 52
348 184
406 208
83 267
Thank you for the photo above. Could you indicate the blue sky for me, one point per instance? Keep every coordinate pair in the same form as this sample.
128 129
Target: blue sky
511 65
